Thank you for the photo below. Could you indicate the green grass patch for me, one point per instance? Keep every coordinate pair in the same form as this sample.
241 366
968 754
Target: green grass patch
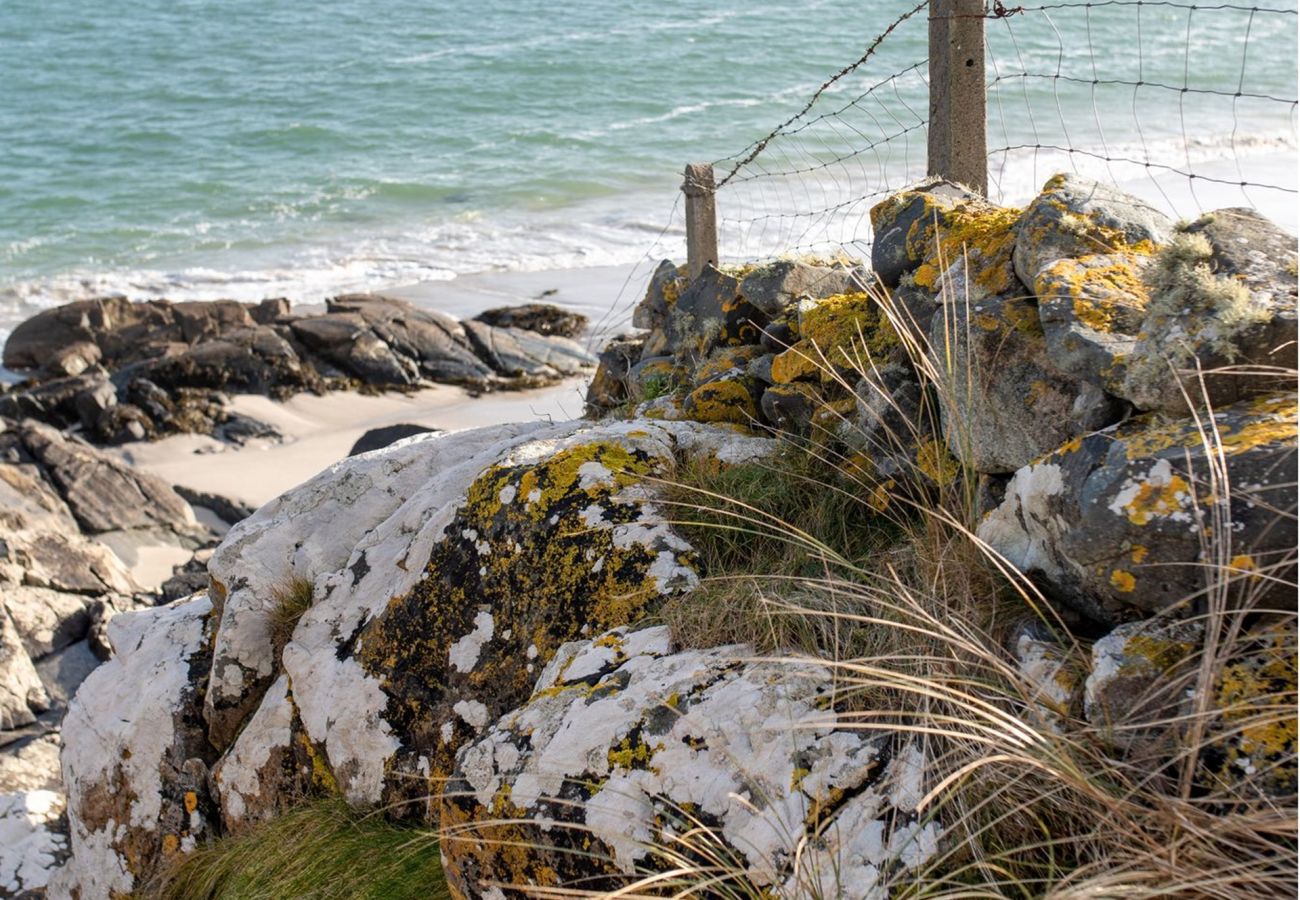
323 850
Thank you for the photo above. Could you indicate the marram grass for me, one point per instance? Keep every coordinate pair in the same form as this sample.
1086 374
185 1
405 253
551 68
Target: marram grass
321 850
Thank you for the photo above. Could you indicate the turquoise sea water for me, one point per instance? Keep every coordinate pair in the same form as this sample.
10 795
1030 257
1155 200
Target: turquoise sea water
253 147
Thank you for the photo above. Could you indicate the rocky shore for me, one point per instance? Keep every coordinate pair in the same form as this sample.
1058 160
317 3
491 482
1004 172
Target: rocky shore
476 644
119 371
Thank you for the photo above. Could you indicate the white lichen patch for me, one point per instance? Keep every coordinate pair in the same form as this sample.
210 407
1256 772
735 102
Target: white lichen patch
239 776
750 745
30 850
114 737
464 654
1025 527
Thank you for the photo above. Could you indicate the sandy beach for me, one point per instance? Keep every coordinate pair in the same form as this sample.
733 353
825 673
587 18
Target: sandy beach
320 430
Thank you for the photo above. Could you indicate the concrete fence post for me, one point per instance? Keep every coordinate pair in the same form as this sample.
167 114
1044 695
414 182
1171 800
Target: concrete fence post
701 218
958 143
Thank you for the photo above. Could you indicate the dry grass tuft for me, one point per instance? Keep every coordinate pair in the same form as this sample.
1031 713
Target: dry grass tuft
290 599
914 615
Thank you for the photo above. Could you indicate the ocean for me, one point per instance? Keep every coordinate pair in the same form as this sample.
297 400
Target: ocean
251 148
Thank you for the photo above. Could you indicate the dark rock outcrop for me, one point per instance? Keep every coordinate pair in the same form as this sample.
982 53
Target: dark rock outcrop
125 371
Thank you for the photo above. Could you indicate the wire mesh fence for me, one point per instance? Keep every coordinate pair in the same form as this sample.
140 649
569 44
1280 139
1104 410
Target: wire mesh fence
1190 105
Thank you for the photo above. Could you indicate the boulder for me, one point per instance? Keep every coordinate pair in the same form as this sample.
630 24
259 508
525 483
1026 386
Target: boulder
1125 520
609 386
1003 403
1223 297
135 762
776 286
254 359
947 241
1141 673
1074 217
666 285
346 340
1051 671
47 620
515 353
899 227
789 407
269 766
1251 743
712 312
379 438
434 341
1092 309
21 694
103 493
625 744
839 337
542 318
458 564
122 331
729 398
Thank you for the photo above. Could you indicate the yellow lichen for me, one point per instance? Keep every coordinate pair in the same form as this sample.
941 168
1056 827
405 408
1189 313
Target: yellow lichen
1123 581
975 231
1105 293
727 400
936 463
1268 420
1159 498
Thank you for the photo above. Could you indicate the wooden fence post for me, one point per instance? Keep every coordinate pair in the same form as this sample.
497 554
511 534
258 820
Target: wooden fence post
701 218
958 143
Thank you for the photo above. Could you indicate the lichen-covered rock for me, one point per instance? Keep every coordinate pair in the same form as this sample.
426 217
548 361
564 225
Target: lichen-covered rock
1140 676
1092 309
712 312
1251 746
625 744
731 398
1051 671
1075 217
284 539
1123 519
839 336
269 767
947 241
790 407
1223 294
900 225
33 842
609 385
453 567
135 760
666 285
1004 403
778 285
654 377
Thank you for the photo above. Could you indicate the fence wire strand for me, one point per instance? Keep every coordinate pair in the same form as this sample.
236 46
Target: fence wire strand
1183 103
